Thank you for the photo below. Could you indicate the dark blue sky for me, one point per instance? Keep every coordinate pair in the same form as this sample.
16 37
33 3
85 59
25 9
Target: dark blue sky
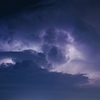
50 50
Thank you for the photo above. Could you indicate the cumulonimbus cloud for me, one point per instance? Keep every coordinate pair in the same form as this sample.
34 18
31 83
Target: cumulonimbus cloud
68 44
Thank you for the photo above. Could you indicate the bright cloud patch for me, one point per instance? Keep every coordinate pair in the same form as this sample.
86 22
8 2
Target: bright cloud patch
7 61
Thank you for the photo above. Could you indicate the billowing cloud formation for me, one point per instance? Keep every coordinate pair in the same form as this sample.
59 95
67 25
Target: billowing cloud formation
50 50
60 38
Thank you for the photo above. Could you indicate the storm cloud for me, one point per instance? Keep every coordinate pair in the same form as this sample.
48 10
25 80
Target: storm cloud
59 33
51 43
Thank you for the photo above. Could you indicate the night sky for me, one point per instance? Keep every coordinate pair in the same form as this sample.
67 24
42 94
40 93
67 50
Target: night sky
50 50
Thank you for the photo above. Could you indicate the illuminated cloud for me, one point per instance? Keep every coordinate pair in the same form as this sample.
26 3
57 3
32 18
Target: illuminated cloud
66 42
50 50
6 61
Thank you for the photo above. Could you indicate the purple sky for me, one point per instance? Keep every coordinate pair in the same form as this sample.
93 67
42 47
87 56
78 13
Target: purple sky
50 48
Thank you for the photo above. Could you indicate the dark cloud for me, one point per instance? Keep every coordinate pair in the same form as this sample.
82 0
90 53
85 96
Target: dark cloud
28 72
56 55
27 80
28 76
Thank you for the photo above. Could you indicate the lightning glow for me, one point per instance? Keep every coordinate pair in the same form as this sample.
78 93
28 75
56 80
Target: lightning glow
7 61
